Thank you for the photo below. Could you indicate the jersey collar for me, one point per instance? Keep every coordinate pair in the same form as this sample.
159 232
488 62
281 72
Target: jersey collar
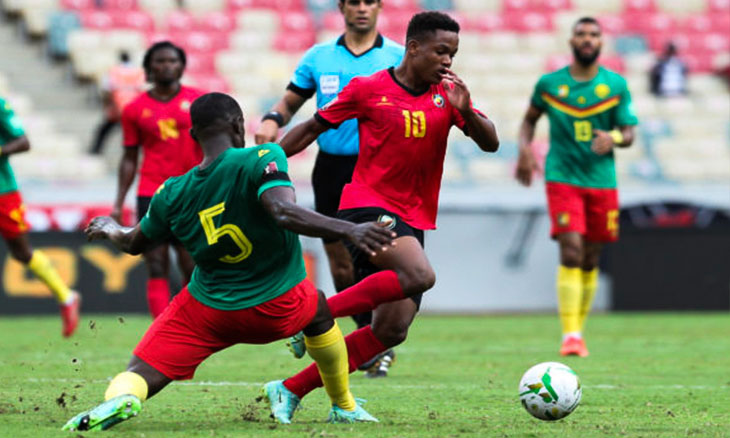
376 45
409 90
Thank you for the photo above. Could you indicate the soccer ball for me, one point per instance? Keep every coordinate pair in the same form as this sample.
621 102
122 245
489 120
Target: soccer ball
550 391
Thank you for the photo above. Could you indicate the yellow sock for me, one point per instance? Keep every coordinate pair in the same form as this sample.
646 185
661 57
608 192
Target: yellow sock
44 270
590 285
330 353
570 286
127 383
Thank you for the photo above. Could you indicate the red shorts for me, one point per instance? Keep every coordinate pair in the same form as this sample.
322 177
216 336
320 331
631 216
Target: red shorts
12 215
188 331
591 212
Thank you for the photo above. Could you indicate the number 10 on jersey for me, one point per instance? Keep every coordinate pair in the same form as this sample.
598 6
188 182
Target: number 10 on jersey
415 123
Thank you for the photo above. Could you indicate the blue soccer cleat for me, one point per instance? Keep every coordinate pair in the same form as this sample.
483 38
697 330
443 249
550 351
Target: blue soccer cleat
359 415
106 415
297 346
283 402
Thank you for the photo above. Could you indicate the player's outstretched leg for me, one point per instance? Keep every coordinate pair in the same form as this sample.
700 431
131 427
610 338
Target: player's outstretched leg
282 402
359 415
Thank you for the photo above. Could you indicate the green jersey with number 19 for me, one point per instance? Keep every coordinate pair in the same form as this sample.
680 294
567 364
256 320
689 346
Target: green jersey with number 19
243 258
574 110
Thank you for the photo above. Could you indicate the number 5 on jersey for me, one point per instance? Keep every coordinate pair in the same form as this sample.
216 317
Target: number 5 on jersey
235 233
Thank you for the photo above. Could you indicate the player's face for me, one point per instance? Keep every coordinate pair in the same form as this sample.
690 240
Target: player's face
166 66
434 55
360 15
586 43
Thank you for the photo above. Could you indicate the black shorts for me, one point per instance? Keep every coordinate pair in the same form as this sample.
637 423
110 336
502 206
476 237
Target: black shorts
361 261
329 176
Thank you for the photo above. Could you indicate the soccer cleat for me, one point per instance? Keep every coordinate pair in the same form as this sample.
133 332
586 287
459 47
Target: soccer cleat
283 402
70 314
106 415
359 415
573 346
297 346
381 365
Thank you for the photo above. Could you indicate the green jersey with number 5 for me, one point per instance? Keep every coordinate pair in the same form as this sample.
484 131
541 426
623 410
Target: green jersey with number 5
243 258
574 110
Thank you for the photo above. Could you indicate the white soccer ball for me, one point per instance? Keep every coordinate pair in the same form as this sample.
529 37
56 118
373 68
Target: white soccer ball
550 391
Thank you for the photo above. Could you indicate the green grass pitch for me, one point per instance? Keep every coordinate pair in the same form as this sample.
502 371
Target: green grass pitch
649 375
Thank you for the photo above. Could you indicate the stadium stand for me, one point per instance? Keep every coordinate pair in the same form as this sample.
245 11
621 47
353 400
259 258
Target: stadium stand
250 48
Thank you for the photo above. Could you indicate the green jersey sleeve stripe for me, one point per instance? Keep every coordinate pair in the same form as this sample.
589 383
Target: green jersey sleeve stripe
266 186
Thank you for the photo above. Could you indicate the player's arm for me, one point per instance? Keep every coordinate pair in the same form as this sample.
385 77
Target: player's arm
280 203
526 162
278 117
127 239
604 141
127 171
478 127
302 135
15 146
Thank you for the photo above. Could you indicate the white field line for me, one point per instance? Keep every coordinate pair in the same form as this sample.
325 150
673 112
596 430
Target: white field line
396 386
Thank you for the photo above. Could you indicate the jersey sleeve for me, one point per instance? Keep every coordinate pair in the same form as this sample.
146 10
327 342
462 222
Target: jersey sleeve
347 105
156 224
303 81
537 100
130 130
10 124
625 112
271 168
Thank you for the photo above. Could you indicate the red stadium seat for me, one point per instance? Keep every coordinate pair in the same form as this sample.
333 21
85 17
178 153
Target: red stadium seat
554 5
136 20
487 22
237 5
156 37
180 21
615 63
280 5
516 5
721 22
297 21
696 23
95 19
217 22
333 20
722 6
658 41
642 6
200 63
295 42
650 23
402 5
528 22
120 5
612 24
209 83
698 63
78 5
197 41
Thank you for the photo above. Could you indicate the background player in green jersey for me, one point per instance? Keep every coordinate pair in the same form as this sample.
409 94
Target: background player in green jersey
237 216
14 228
590 113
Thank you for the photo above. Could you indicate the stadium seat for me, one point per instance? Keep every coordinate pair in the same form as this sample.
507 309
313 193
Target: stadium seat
471 6
296 22
158 8
97 19
332 20
200 7
718 6
639 6
130 41
121 5
319 7
252 41
134 19
681 7
437 5
198 41
527 22
593 7
179 21
258 20
78 5
208 82
200 63
217 21
487 22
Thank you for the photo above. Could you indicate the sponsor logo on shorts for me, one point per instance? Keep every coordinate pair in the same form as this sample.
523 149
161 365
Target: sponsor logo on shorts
438 100
387 220
563 219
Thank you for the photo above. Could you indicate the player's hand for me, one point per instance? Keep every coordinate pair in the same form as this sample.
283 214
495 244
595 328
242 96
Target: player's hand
371 237
100 227
456 91
602 142
116 214
526 168
267 132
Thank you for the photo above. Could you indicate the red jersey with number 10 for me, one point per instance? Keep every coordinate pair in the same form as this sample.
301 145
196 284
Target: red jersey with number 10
402 145
163 131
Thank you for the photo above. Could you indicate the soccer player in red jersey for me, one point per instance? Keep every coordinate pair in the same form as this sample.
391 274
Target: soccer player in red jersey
158 121
404 116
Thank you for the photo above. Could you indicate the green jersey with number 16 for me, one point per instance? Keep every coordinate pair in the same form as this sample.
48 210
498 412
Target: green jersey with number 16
574 110
243 258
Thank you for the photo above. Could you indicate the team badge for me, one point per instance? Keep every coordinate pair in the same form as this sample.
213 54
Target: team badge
185 105
563 90
602 90
581 100
329 84
263 152
387 220
438 100
563 219
271 168
383 101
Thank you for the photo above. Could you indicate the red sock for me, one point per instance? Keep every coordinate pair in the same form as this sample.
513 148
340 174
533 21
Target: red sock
362 345
158 295
366 295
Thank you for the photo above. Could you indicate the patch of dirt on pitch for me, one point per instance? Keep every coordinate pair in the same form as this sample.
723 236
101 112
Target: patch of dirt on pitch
61 400
250 412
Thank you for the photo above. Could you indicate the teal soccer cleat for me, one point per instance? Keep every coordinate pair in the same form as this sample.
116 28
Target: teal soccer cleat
359 415
297 346
283 402
106 415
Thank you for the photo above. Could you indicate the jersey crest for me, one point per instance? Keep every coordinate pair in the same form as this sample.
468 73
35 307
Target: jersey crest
438 100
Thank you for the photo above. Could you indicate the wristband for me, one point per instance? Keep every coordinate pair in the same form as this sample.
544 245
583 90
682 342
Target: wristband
617 136
275 116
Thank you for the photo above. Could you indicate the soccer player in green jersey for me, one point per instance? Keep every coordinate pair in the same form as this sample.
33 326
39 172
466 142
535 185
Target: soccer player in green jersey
236 214
590 113
13 227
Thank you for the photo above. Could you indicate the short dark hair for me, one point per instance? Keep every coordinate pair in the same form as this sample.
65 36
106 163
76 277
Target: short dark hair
147 60
425 23
212 108
586 20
